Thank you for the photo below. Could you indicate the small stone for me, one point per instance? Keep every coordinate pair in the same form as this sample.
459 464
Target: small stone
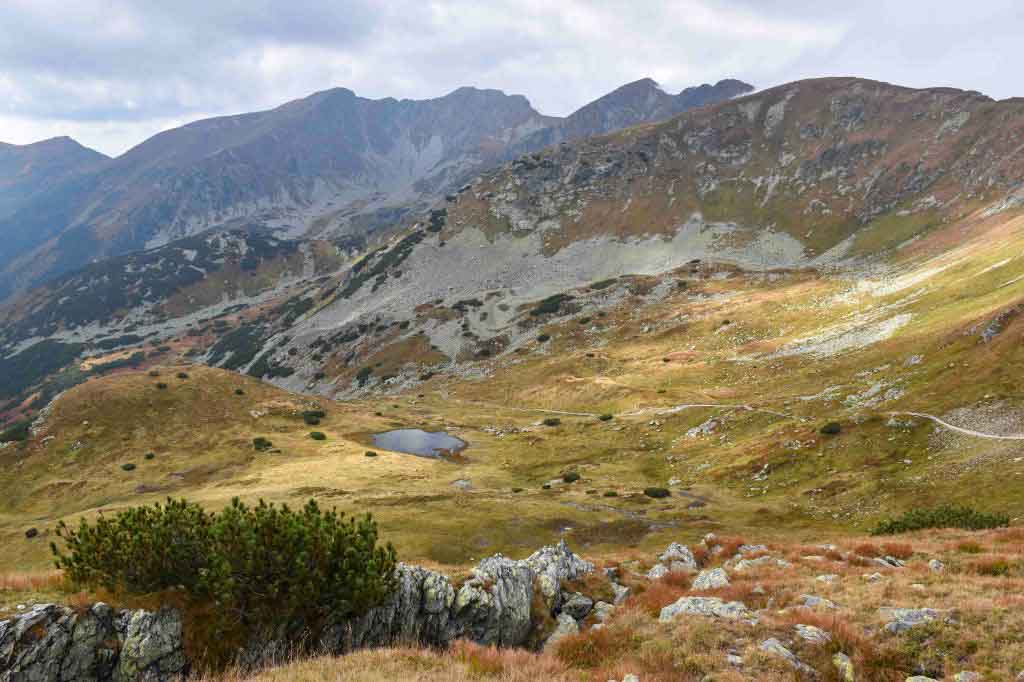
874 577
622 593
812 602
603 611
921 678
711 580
967 676
844 666
630 678
657 572
681 554
775 648
812 634
828 578
566 626
577 605
936 566
734 660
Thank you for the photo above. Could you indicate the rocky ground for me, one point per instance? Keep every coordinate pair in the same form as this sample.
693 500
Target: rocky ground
944 605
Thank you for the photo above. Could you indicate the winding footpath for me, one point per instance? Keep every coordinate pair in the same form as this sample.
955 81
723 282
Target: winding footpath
960 429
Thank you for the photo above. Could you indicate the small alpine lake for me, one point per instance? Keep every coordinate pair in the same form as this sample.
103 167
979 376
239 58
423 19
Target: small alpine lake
436 444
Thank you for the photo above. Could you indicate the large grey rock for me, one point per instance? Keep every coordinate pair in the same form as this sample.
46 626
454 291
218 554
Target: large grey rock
712 607
711 579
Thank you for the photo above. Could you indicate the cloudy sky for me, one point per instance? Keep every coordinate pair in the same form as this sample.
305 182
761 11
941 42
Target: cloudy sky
112 72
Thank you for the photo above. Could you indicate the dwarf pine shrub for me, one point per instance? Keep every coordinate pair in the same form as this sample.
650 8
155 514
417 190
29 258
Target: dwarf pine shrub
260 567
946 516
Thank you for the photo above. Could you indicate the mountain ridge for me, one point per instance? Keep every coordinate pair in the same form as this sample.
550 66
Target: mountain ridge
332 162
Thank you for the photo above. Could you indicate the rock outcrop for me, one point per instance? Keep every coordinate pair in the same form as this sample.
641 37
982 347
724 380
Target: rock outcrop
497 605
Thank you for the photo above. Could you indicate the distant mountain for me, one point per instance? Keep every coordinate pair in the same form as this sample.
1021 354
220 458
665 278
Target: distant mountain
641 101
331 163
29 171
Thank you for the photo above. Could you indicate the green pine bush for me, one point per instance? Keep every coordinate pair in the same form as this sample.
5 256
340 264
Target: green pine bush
247 569
946 516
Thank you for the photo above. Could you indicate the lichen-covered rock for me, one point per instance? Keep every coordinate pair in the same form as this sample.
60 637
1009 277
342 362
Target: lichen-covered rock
844 667
153 647
712 607
54 643
493 607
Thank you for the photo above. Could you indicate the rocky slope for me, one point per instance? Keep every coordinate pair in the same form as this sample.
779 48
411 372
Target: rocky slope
330 163
832 174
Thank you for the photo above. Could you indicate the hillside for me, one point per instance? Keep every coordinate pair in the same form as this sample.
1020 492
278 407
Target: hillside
331 163
28 172
781 319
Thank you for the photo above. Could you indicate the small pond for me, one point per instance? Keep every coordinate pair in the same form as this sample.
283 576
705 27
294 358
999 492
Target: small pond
419 442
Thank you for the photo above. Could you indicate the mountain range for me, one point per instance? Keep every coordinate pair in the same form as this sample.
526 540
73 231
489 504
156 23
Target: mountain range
330 164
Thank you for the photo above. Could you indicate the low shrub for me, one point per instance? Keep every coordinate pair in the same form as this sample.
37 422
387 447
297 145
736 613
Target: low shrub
552 421
182 375
31 533
541 338
657 493
239 391
154 373
969 547
610 493
570 477
946 516
161 385
371 453
318 435
261 444
149 456
595 648
128 466
994 567
899 550
605 417
263 566
831 429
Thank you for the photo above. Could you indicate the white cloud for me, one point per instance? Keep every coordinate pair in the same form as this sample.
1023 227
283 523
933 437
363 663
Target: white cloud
111 72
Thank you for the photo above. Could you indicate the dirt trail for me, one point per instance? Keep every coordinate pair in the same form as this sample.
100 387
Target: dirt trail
959 429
